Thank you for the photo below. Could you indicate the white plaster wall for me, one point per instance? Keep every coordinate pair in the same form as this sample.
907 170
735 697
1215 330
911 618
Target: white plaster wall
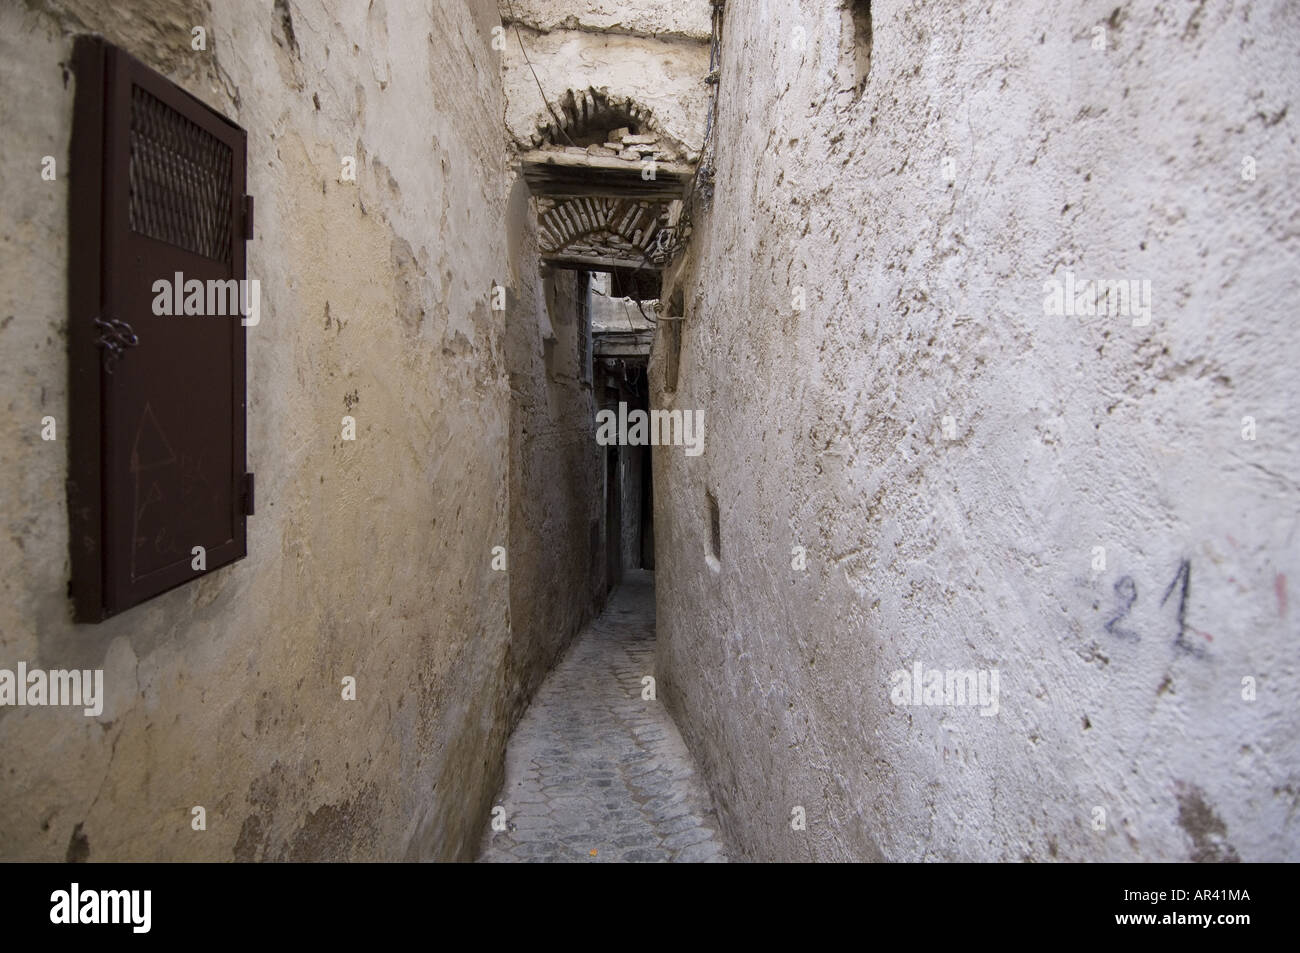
925 299
369 559
685 19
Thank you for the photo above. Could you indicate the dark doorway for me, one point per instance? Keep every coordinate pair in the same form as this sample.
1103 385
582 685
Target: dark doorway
613 521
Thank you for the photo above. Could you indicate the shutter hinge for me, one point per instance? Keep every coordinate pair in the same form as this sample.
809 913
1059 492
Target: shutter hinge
248 494
248 218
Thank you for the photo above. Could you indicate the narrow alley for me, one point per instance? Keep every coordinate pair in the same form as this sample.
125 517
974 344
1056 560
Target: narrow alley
673 431
596 770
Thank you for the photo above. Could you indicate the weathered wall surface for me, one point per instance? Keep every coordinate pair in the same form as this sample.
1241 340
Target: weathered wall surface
661 19
556 559
369 559
971 545
654 53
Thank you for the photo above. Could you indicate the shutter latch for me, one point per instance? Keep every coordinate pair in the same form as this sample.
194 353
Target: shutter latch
248 494
115 336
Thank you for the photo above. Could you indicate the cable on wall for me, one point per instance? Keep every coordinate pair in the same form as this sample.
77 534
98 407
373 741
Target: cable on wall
514 22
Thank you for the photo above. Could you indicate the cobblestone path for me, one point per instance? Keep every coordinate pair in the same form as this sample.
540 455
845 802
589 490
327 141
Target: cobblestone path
594 772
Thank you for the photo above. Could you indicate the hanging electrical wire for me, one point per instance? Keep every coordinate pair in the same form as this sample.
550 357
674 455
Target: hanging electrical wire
519 36
700 191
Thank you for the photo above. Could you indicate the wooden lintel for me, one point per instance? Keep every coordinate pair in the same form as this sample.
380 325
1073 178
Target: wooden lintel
562 175
625 354
594 263
620 343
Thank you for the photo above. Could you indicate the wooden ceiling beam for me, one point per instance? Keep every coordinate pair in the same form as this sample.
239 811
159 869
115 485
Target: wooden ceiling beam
563 175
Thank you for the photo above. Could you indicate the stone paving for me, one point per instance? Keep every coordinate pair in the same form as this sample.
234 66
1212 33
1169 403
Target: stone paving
593 771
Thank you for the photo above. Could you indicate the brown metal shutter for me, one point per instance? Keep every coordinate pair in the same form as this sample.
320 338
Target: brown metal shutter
157 402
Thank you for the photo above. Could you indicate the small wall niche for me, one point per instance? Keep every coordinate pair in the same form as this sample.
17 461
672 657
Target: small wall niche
855 44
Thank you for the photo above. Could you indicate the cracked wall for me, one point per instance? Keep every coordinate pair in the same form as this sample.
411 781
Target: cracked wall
368 559
920 198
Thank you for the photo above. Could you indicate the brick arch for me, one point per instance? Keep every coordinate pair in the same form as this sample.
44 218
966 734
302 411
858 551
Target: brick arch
613 228
587 115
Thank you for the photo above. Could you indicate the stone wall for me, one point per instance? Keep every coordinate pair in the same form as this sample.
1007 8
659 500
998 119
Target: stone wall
368 559
955 458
